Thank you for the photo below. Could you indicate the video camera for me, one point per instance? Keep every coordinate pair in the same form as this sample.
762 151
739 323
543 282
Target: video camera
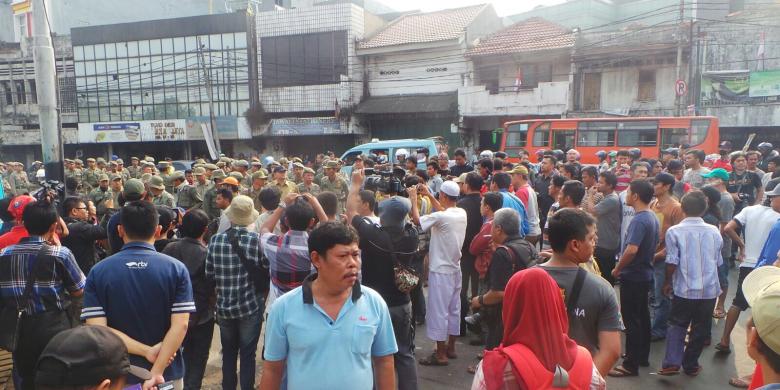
51 192
387 182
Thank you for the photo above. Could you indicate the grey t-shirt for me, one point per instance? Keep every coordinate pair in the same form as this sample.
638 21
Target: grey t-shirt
597 307
726 206
608 222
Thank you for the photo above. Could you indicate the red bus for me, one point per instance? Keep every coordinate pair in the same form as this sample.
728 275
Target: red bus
589 135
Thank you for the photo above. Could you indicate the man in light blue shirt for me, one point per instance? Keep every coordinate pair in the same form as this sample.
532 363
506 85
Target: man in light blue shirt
331 332
692 259
502 181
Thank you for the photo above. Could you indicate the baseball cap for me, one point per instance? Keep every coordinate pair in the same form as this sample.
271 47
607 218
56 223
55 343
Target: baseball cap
279 168
199 171
461 178
774 192
762 292
230 180
218 174
393 211
519 168
133 189
450 188
84 356
718 173
16 208
259 175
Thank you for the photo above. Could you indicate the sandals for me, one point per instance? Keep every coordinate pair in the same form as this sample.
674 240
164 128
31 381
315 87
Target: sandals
719 314
433 361
669 371
722 348
622 372
739 383
696 371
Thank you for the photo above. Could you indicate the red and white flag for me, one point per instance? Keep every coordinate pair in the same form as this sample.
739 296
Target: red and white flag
761 45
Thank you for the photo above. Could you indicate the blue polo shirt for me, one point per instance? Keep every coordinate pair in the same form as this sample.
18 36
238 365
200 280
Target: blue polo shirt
137 290
318 350
771 246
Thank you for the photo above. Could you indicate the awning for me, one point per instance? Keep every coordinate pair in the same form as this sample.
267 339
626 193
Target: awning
407 104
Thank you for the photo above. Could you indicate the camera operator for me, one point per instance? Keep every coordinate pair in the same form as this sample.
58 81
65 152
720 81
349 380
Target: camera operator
383 245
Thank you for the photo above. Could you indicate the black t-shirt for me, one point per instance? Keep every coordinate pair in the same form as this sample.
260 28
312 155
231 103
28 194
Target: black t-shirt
504 264
376 243
457 170
471 203
543 198
747 183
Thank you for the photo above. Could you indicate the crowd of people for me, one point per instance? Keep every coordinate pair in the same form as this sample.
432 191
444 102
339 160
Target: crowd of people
121 277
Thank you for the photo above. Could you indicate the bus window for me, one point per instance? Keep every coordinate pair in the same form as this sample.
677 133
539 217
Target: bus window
516 135
639 133
672 138
563 139
596 133
699 129
542 135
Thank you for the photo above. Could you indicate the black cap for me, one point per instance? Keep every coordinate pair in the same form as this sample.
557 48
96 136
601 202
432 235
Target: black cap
674 165
84 356
664 178
726 145
279 168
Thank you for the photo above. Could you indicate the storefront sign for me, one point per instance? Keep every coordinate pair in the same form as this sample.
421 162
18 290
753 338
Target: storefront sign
161 130
228 127
306 126
765 83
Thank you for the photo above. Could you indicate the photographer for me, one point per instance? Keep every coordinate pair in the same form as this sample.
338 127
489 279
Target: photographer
383 247
745 186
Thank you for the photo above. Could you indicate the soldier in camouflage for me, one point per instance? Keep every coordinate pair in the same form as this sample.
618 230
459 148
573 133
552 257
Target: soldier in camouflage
210 197
91 176
281 183
121 171
308 186
258 182
185 195
134 170
333 182
159 195
100 195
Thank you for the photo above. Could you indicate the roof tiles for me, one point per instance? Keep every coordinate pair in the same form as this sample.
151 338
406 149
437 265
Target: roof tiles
529 35
424 27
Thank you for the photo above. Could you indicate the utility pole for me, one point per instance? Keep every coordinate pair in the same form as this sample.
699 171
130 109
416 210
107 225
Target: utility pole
677 97
212 118
46 83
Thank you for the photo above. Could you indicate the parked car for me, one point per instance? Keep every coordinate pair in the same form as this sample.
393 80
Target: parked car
386 150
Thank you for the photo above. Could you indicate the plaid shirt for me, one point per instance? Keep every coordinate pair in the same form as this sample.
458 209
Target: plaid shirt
59 274
236 296
288 258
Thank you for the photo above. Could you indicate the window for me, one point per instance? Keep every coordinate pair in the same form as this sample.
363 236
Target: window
516 135
596 134
349 159
308 59
542 135
672 138
591 91
33 92
21 97
532 74
640 133
7 92
646 85
21 26
563 139
699 128
490 78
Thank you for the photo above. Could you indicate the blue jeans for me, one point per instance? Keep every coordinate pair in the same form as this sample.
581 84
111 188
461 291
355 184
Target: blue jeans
239 335
662 303
695 314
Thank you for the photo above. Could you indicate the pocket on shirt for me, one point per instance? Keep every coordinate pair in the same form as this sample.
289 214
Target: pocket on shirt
363 339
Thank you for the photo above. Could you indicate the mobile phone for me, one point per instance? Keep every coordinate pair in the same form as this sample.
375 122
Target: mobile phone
165 386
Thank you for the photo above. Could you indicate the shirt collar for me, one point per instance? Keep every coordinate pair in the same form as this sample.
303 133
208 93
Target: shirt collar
138 244
692 221
308 297
31 239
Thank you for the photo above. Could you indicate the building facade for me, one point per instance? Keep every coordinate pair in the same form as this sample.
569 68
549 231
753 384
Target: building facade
141 83
309 76
414 68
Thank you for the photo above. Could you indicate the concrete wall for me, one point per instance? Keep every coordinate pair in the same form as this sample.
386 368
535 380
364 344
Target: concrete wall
6 21
322 18
419 71
485 23
619 90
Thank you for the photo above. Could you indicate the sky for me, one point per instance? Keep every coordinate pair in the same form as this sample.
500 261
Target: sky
503 7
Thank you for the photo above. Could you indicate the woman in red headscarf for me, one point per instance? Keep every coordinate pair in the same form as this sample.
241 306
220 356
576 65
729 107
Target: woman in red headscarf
536 351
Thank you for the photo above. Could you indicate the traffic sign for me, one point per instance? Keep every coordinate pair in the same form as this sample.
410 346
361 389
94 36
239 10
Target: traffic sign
680 87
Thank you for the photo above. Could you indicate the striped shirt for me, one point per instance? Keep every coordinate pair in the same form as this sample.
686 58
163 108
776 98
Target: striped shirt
236 295
57 276
694 247
288 258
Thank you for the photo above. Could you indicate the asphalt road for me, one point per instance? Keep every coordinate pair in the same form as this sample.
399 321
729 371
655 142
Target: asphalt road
718 368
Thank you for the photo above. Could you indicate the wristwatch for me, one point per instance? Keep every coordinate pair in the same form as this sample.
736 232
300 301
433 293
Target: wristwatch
481 299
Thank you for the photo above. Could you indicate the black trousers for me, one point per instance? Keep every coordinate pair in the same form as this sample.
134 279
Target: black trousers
196 353
469 283
606 261
35 333
636 318
693 314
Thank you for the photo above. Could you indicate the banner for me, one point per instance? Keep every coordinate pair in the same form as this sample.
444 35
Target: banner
138 131
306 126
765 83
228 127
725 87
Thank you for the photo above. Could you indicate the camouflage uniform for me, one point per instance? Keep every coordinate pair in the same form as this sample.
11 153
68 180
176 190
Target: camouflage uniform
164 199
99 198
314 189
210 203
285 189
19 183
338 186
186 196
